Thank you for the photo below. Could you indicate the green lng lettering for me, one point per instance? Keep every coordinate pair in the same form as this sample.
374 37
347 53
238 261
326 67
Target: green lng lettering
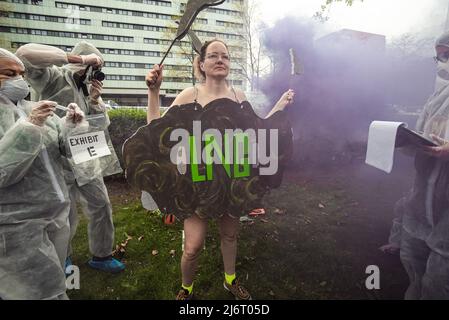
240 163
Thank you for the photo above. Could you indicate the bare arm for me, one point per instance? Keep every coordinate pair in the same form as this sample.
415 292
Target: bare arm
186 96
153 105
154 80
285 100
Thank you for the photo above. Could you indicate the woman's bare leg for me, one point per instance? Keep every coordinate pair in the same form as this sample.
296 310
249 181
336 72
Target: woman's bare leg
229 228
194 231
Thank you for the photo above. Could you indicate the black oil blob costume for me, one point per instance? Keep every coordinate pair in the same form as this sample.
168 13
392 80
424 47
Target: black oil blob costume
149 168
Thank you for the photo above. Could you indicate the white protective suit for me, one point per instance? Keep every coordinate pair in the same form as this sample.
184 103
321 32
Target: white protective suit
53 78
424 212
34 206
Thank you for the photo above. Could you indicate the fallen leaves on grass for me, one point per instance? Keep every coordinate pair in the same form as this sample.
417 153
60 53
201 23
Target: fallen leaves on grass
120 249
119 252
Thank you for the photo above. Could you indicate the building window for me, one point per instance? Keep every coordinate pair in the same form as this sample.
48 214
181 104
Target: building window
37 17
62 34
33 2
108 10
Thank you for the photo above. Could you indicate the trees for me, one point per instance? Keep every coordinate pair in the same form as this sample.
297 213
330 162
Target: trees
411 45
410 66
322 15
257 61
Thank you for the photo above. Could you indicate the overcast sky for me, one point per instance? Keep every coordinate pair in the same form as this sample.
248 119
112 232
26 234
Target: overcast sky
389 17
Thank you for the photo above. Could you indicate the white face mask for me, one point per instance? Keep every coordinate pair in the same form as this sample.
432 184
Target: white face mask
442 75
15 89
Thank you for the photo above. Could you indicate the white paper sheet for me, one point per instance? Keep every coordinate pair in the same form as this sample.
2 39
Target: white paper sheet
88 146
148 202
381 144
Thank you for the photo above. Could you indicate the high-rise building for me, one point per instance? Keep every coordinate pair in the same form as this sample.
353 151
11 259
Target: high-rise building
133 35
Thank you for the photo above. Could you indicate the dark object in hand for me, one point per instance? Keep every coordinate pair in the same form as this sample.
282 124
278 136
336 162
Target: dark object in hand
406 137
94 74
90 74
192 9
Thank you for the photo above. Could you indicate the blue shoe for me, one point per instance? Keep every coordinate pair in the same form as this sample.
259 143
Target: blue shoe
111 265
68 263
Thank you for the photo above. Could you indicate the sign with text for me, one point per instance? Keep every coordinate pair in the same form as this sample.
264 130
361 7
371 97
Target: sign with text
88 146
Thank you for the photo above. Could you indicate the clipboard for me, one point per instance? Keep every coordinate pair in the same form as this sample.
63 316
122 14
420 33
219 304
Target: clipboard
406 136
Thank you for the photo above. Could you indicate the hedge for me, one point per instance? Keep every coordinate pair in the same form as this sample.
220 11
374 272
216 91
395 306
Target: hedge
124 123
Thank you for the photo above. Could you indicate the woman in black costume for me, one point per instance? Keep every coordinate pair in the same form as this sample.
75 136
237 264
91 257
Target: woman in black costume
212 67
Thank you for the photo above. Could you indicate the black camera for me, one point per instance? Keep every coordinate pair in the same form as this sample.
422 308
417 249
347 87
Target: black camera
92 74
89 75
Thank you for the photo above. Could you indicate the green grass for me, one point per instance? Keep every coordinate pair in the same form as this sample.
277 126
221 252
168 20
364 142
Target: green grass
296 255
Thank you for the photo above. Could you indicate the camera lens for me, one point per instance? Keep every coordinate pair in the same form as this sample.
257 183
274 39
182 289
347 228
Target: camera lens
100 76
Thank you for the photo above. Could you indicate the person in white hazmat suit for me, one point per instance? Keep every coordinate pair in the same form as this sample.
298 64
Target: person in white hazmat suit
421 226
58 76
34 199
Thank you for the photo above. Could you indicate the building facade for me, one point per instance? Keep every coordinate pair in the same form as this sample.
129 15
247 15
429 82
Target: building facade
133 35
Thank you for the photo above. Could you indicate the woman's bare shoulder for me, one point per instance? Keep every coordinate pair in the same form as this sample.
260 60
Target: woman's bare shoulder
240 94
186 96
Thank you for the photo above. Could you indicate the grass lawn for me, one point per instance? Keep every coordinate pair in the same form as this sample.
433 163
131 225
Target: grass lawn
292 253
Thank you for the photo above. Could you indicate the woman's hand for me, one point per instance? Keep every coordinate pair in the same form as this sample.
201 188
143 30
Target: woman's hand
41 111
154 78
286 99
441 152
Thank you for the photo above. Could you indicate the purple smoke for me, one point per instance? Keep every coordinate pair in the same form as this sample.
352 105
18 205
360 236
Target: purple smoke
350 80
